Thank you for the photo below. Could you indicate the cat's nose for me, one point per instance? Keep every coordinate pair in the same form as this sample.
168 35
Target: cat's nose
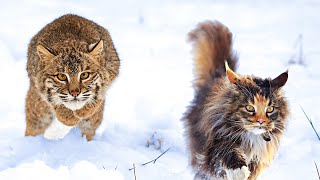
75 92
261 120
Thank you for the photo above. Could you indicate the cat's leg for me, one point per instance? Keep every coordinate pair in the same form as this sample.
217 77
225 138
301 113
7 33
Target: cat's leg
235 163
223 161
203 176
256 170
38 114
89 125
242 173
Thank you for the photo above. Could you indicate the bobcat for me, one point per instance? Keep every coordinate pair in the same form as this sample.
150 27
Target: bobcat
71 63
235 122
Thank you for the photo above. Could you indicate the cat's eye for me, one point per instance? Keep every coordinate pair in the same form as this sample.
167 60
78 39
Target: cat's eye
84 75
250 108
269 109
62 77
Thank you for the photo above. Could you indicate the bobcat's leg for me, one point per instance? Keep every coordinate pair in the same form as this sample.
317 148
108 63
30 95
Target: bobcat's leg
89 125
38 114
66 116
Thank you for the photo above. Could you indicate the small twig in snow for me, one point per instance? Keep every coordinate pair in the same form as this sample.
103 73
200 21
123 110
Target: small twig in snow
134 172
317 169
154 160
310 123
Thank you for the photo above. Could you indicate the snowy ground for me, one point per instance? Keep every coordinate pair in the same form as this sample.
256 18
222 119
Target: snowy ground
154 86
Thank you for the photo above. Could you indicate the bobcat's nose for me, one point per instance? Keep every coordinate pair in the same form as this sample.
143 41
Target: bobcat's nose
75 92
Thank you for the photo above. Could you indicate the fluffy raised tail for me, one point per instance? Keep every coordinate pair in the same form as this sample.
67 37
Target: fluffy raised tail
212 46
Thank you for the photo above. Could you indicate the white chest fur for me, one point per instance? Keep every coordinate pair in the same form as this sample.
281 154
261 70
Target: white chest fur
56 130
254 146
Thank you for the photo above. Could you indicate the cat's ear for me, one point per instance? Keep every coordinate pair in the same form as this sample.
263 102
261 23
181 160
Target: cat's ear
232 76
44 54
280 80
96 49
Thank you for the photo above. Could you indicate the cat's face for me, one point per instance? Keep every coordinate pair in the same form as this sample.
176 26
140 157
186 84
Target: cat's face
73 79
260 111
261 106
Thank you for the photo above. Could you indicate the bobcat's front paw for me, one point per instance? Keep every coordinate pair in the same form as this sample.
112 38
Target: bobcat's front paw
238 174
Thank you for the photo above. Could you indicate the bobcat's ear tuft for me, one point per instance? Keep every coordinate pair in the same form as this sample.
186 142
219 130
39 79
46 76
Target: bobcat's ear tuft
232 76
280 80
44 54
96 49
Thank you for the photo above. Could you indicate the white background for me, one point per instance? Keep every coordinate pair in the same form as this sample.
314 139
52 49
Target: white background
154 87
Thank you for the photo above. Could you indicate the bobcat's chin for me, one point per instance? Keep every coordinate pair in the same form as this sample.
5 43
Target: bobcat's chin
75 105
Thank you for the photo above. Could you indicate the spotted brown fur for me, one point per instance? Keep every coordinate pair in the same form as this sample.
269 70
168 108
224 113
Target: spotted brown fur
70 45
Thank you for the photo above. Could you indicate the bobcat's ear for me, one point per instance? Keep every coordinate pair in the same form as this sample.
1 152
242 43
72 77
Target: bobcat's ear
232 76
96 49
44 54
280 80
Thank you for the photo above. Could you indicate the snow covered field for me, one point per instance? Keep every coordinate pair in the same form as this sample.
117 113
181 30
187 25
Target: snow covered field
148 99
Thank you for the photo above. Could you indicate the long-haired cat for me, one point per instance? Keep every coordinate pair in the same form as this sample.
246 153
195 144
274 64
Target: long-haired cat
235 122
71 63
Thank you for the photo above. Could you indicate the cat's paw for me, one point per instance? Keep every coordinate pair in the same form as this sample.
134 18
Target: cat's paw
238 174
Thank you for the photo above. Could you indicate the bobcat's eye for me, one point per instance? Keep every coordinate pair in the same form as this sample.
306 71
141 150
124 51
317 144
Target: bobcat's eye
250 108
62 77
84 75
269 109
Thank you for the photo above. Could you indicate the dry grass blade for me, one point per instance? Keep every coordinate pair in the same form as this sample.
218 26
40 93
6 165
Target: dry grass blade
310 123
154 160
317 170
134 172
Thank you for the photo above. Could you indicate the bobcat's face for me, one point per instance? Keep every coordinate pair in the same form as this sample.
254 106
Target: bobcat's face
73 79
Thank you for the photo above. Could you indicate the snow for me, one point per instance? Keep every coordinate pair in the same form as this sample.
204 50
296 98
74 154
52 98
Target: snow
145 104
